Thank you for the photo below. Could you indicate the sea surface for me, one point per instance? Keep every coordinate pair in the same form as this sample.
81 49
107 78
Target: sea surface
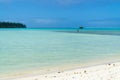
30 49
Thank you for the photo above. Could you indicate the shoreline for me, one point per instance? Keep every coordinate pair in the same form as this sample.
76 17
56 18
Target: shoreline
103 68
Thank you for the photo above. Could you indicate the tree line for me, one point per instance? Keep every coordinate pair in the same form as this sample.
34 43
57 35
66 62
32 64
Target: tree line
12 25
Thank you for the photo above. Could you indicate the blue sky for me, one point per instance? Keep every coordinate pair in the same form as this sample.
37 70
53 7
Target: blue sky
62 13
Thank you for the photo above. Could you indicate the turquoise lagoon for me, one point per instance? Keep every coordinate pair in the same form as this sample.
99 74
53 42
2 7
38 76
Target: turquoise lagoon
33 49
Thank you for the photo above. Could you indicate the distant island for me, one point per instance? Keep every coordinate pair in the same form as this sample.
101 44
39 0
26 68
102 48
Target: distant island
12 25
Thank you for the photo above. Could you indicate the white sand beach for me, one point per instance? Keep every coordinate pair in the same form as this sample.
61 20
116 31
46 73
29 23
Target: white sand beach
108 71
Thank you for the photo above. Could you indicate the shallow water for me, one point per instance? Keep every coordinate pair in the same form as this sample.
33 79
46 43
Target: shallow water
29 49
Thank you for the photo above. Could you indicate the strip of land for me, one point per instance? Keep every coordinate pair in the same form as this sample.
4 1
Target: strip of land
98 32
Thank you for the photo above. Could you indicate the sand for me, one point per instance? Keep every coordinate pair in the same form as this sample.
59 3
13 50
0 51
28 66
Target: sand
107 71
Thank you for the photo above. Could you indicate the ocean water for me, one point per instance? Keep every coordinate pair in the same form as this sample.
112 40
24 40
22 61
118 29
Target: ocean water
27 49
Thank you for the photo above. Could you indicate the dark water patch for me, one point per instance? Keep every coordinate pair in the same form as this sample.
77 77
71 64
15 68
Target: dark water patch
98 32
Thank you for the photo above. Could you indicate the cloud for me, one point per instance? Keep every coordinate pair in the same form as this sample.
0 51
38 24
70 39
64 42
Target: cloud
5 1
71 2
45 21
14 20
61 2
9 1
67 2
105 22
46 2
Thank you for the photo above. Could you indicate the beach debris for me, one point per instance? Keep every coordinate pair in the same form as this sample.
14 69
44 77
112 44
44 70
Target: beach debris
54 76
59 72
109 64
45 76
73 77
36 79
113 64
85 71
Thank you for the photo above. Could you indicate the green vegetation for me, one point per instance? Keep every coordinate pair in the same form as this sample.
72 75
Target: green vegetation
81 27
11 25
